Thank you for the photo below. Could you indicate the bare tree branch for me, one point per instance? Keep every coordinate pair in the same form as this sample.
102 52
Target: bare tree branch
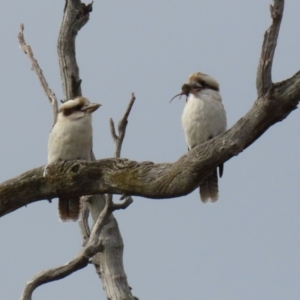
83 220
35 66
112 277
76 15
118 139
113 131
93 246
109 263
264 72
121 176
288 90
161 180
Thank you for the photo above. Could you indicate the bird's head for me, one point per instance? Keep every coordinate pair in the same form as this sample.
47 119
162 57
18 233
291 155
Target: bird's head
78 108
197 82
206 82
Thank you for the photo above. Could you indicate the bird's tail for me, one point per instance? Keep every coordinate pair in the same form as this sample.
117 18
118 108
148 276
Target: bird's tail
69 209
209 190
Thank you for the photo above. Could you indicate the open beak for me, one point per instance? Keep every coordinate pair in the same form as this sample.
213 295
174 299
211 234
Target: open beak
91 107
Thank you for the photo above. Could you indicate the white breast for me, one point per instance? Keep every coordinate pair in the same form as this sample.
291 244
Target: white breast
203 117
70 140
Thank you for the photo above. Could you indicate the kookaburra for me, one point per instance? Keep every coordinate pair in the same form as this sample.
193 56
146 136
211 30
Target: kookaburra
71 139
203 118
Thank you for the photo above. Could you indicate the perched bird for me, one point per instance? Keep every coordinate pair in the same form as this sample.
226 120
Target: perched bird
203 118
71 139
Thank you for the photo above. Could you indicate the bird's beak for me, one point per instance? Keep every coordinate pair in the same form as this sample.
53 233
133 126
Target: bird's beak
91 107
187 88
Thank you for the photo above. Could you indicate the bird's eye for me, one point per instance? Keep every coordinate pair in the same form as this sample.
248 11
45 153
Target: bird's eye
78 107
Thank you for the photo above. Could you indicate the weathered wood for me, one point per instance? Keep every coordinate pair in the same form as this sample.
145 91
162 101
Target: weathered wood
108 263
157 181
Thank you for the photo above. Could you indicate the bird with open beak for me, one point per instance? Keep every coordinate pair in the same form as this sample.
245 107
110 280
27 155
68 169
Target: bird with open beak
71 138
203 118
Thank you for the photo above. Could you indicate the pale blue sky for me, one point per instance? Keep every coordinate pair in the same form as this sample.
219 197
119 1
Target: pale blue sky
246 246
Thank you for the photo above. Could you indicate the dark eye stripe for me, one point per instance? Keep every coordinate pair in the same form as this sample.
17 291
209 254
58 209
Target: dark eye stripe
207 86
67 112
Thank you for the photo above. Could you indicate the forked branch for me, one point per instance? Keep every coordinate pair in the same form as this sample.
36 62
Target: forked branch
120 176
93 246
109 263
118 139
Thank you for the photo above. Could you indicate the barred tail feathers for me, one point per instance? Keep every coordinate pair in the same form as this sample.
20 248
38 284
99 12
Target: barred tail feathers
69 209
209 190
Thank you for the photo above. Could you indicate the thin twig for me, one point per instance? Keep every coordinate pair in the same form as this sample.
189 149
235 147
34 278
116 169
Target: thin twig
35 66
112 130
118 139
93 246
124 120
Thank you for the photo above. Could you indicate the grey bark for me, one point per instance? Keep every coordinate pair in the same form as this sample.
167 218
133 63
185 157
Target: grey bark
157 181
93 246
109 262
